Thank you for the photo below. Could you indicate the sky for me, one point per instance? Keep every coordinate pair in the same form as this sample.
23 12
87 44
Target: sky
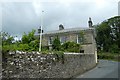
119 8
19 16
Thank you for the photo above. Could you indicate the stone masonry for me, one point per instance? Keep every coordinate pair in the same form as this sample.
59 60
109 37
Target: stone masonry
34 65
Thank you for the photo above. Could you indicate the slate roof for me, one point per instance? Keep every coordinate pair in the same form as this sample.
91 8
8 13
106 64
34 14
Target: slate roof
65 30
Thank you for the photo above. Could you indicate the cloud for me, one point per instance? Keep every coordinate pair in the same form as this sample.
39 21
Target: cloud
19 17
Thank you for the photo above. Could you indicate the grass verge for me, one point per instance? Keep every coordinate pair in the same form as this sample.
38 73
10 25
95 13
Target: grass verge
109 56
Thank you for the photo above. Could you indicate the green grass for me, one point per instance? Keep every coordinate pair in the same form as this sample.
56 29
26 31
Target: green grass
109 56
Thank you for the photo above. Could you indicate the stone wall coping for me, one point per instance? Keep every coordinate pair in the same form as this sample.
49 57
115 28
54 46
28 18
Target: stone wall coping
76 53
33 52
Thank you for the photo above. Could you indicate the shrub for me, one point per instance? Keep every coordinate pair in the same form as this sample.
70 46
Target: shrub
23 47
71 47
114 49
56 44
45 48
46 52
34 45
108 56
60 55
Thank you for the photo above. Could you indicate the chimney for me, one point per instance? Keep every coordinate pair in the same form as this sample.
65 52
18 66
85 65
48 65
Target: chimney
90 24
39 30
61 27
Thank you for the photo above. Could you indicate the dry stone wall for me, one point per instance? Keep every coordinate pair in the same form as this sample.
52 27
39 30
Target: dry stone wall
33 65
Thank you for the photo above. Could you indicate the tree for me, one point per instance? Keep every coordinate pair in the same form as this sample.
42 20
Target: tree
30 41
108 34
34 45
114 23
56 44
103 35
27 38
6 38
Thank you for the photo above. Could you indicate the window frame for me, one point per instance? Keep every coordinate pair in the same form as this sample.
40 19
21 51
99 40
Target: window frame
64 38
79 39
50 40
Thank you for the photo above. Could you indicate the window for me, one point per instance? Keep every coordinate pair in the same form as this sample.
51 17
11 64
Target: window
63 39
50 40
79 39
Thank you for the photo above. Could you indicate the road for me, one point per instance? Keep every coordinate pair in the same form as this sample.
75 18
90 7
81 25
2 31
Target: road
104 69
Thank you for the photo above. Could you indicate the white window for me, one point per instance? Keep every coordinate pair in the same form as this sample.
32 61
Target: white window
50 41
79 39
63 39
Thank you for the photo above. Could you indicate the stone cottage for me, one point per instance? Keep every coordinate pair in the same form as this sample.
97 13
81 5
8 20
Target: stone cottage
83 36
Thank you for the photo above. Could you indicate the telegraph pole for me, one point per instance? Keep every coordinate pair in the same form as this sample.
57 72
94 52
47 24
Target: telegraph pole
40 44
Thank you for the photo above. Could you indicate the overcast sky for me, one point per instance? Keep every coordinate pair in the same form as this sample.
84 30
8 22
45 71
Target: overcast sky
20 17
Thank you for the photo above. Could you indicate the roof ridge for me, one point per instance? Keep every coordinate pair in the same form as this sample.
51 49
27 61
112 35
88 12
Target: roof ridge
66 30
70 29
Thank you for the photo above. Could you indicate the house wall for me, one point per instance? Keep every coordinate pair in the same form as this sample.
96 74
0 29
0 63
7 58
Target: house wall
45 41
88 35
73 37
88 46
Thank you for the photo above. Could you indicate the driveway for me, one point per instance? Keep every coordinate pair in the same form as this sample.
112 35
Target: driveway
104 69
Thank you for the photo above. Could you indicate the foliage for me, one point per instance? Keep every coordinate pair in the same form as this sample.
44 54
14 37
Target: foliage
28 42
103 35
45 48
56 44
6 38
108 35
6 41
23 47
114 48
108 38
71 47
34 45
67 46
27 38
114 22
46 51
60 55
108 56
7 48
